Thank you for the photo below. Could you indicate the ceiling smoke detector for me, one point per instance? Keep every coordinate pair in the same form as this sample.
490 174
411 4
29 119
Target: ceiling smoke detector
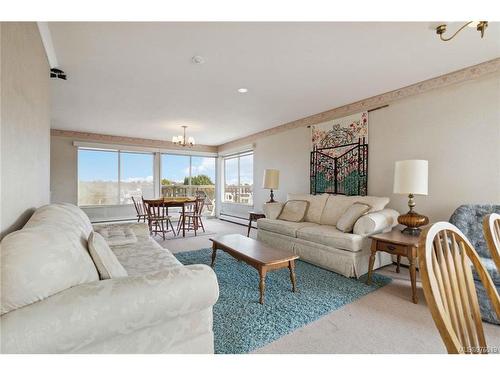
197 60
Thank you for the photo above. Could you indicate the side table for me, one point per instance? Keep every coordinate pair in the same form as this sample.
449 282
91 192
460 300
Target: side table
253 216
399 244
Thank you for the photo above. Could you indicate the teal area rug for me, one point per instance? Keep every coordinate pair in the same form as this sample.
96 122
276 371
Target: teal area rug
241 324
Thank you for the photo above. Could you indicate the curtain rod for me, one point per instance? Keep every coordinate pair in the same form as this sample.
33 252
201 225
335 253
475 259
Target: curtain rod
370 110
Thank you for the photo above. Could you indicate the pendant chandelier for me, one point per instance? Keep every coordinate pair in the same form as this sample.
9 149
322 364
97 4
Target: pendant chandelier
181 140
479 25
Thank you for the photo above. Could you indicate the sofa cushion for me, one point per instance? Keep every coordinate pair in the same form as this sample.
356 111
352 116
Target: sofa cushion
42 260
316 205
331 236
117 236
351 215
104 259
294 211
336 205
288 228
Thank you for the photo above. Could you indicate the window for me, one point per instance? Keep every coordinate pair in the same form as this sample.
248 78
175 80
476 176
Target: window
97 177
136 176
185 175
108 177
238 178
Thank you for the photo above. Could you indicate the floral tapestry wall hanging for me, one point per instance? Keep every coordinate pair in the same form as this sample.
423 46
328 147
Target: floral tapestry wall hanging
339 156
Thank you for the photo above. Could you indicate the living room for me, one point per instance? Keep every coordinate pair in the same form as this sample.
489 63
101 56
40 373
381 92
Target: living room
238 187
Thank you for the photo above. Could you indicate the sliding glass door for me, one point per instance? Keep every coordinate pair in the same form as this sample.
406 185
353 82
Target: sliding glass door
186 175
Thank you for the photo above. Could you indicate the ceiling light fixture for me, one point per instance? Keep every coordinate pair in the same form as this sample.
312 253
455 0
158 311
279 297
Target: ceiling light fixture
479 25
242 90
180 140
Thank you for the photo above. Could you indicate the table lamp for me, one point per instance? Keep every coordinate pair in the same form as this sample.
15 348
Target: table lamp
411 177
271 181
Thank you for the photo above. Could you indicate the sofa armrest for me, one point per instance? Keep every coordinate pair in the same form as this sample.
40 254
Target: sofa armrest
97 311
376 222
272 210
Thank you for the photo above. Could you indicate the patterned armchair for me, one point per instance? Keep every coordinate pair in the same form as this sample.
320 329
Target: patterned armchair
469 218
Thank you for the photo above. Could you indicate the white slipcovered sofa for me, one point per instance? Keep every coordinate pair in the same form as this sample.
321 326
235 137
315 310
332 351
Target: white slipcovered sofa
53 301
317 240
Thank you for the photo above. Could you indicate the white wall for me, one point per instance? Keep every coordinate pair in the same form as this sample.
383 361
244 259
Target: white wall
456 128
25 124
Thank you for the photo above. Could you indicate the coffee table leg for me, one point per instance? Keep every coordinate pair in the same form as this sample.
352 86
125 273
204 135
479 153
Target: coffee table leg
214 253
262 284
291 267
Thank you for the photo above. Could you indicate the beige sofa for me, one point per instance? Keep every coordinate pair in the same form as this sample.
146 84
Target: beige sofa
53 301
317 240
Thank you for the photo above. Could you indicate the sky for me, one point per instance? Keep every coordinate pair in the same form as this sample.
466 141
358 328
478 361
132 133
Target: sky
103 166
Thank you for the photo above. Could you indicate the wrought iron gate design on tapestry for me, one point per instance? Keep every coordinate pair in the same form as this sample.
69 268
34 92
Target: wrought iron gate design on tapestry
345 174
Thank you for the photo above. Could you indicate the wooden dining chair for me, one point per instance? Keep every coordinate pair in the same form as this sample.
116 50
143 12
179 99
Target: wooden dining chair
445 257
491 229
158 220
140 210
193 218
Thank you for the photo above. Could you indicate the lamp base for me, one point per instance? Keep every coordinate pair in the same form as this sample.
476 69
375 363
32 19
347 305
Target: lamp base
412 221
272 197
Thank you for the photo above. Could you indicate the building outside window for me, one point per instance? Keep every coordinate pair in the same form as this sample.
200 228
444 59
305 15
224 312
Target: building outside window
238 178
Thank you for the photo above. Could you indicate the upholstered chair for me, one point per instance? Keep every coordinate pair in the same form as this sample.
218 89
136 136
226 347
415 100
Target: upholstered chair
469 219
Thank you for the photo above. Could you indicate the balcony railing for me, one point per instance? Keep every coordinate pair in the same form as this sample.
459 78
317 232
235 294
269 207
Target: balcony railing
238 194
206 191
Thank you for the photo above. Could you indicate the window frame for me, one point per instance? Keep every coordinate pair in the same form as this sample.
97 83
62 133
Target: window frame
190 156
118 164
238 156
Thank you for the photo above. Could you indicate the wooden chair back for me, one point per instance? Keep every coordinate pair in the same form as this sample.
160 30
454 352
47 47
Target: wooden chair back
200 203
445 257
139 207
491 228
155 208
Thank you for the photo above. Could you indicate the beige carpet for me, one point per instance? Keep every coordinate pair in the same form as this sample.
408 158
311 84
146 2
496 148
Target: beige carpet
384 321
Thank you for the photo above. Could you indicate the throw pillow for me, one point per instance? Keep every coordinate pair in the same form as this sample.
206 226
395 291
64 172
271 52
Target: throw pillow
294 210
351 215
104 259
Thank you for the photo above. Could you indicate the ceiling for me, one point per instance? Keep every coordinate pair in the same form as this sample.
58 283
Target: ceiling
138 80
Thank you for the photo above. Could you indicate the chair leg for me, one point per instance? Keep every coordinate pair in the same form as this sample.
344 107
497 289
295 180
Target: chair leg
171 226
150 227
179 223
201 223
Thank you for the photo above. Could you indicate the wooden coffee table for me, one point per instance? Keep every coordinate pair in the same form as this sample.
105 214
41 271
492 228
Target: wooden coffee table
254 253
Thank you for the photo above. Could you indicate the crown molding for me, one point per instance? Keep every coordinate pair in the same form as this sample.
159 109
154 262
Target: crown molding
456 77
131 141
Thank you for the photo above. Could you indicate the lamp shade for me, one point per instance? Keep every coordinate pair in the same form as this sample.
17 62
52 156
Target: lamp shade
271 179
411 177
